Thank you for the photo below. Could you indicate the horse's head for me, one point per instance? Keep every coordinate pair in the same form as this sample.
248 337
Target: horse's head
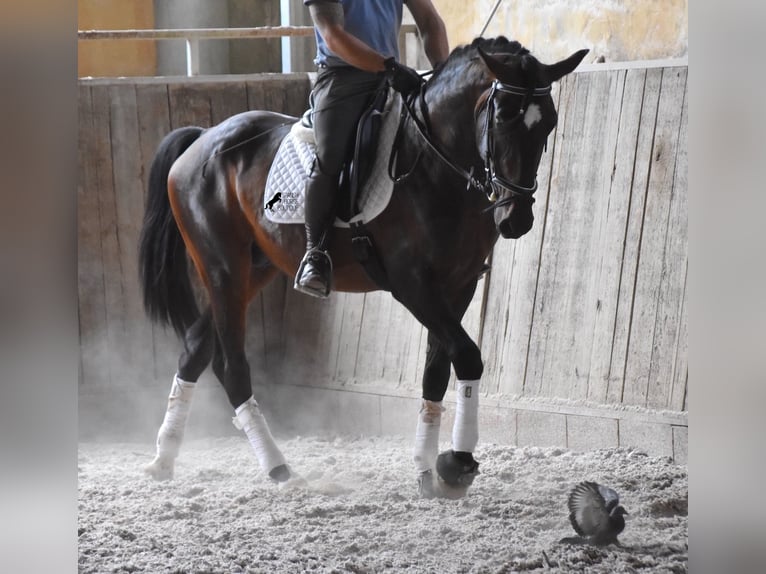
515 115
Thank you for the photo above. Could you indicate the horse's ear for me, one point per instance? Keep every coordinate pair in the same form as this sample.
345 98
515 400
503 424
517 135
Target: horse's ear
496 67
560 69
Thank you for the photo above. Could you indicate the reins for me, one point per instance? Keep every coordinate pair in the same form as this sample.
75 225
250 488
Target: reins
491 180
423 130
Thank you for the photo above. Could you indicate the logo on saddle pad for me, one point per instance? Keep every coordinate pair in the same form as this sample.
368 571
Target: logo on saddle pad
284 198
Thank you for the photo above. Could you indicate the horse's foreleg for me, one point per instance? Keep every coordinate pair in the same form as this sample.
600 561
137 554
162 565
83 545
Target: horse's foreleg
447 343
198 348
435 381
457 467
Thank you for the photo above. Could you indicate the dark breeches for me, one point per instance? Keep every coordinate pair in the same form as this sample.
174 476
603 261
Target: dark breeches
339 98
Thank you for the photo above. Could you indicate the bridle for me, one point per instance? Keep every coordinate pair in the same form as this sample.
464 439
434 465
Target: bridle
491 180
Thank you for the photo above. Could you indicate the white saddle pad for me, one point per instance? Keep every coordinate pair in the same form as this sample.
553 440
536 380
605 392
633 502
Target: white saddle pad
292 165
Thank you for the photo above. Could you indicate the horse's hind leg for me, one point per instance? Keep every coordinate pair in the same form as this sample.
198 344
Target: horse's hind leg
235 286
198 349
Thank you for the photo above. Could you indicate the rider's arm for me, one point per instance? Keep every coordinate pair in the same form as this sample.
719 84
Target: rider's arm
327 16
432 30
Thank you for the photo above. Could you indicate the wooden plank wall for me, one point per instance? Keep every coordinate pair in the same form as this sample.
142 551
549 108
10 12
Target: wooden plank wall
597 291
586 311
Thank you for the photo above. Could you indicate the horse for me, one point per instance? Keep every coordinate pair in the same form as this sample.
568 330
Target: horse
467 157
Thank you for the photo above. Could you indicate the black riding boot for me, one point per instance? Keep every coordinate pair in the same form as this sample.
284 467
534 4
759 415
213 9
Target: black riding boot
314 275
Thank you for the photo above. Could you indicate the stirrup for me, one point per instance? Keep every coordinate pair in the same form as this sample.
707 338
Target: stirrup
314 276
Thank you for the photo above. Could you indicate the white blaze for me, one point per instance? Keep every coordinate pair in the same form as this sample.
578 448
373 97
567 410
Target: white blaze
532 116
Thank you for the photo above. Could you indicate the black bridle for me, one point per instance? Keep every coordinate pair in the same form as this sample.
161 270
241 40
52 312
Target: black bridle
494 181
491 180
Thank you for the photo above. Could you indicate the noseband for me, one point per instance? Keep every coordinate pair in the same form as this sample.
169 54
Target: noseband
491 180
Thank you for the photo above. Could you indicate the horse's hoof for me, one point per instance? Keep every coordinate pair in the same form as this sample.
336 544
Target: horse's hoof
160 469
457 469
280 473
427 487
432 486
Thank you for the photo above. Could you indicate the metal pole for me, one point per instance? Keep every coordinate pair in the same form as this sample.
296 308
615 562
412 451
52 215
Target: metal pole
285 19
192 57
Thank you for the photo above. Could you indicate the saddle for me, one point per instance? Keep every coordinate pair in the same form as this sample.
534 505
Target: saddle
354 175
359 163
357 202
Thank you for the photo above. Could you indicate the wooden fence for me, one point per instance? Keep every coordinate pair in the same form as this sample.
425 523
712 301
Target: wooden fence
193 37
582 322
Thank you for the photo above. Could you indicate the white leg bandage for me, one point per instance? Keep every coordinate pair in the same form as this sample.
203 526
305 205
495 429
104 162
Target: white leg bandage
465 433
427 435
250 419
171 431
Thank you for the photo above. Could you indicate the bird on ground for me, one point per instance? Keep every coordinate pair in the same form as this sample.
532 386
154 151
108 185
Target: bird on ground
596 514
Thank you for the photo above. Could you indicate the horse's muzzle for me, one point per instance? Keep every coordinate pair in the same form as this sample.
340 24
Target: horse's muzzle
514 221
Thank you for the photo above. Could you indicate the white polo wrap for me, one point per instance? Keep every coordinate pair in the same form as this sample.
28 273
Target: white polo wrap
465 432
250 419
171 433
427 435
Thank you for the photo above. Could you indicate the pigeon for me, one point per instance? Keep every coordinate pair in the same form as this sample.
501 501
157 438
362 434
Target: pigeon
596 515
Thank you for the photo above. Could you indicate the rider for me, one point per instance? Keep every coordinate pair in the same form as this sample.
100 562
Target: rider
357 43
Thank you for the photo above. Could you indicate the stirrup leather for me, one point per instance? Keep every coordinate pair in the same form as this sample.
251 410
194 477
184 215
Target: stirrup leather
314 276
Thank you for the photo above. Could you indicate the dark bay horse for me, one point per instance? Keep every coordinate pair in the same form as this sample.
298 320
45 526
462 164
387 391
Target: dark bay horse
471 145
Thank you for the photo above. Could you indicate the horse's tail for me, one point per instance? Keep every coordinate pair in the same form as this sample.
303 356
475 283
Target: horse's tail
165 284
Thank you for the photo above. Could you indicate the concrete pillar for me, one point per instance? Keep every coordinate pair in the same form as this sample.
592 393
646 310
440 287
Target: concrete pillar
256 55
171 54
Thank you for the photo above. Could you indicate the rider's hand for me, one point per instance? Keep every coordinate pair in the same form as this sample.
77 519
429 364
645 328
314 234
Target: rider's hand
403 79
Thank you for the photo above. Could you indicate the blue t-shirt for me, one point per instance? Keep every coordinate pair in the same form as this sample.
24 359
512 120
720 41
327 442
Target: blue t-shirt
374 22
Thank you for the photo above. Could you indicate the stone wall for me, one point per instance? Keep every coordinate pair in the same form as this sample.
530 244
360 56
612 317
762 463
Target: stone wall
109 57
618 30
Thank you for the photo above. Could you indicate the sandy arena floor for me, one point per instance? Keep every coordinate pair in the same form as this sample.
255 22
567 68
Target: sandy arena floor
359 511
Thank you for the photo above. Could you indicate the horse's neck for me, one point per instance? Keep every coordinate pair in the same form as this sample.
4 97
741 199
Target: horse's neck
451 109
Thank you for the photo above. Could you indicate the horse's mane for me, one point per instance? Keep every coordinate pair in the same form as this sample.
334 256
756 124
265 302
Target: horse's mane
463 55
